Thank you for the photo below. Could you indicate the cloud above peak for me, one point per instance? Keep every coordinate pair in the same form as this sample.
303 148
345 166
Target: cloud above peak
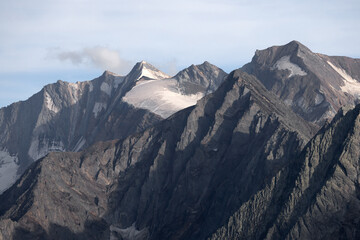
99 57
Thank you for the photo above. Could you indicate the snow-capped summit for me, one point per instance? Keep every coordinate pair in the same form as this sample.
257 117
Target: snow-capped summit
160 94
146 70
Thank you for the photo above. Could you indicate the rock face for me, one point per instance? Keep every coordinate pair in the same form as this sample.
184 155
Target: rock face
315 198
314 85
181 179
71 116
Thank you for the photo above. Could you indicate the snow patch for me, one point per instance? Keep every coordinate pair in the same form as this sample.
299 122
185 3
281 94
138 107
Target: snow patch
319 98
105 88
130 233
284 63
351 85
49 103
160 96
98 107
79 144
74 90
8 170
40 147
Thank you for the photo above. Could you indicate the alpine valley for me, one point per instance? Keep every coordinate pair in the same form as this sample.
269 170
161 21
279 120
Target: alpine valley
268 151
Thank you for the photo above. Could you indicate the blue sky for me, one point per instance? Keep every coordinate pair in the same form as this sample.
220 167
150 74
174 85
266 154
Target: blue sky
42 41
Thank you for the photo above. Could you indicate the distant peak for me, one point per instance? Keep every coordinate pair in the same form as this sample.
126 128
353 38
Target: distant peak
274 53
295 42
207 64
107 73
145 69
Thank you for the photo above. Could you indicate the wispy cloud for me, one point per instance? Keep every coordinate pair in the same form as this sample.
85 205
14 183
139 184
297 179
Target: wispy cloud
99 57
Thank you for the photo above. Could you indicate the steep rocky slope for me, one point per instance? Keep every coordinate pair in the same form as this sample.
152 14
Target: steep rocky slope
314 85
316 198
71 116
181 179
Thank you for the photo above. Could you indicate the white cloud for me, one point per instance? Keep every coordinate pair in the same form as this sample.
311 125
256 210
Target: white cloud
100 57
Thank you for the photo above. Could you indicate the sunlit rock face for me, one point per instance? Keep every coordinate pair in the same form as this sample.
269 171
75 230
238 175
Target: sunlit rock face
314 85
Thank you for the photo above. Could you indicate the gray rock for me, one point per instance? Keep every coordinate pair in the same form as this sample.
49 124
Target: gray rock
181 179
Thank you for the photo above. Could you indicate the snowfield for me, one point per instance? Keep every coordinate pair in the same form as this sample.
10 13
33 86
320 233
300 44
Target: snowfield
284 63
351 85
160 96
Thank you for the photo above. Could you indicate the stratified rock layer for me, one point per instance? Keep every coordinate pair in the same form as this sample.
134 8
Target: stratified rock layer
315 198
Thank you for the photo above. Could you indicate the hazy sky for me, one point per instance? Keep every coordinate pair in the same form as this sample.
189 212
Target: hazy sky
42 41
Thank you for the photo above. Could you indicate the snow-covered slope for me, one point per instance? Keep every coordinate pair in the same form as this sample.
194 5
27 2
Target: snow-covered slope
8 170
164 96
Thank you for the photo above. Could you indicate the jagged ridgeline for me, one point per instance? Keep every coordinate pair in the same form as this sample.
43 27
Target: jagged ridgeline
316 197
200 155
72 116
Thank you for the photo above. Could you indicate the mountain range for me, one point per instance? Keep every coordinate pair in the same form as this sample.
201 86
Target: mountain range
269 151
71 116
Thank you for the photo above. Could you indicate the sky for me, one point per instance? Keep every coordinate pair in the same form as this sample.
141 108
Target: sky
42 41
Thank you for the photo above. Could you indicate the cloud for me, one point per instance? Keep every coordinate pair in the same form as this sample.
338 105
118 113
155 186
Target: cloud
100 57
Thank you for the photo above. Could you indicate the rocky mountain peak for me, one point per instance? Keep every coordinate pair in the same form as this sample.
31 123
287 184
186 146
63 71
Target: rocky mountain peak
205 76
315 86
290 52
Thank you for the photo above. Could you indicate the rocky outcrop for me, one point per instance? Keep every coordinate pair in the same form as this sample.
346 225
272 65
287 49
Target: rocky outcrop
181 179
315 198
314 85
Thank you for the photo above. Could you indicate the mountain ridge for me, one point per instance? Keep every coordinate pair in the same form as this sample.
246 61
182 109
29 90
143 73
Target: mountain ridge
70 116
245 161
168 161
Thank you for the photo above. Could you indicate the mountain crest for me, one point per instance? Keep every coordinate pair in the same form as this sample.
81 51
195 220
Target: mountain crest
146 70
109 73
